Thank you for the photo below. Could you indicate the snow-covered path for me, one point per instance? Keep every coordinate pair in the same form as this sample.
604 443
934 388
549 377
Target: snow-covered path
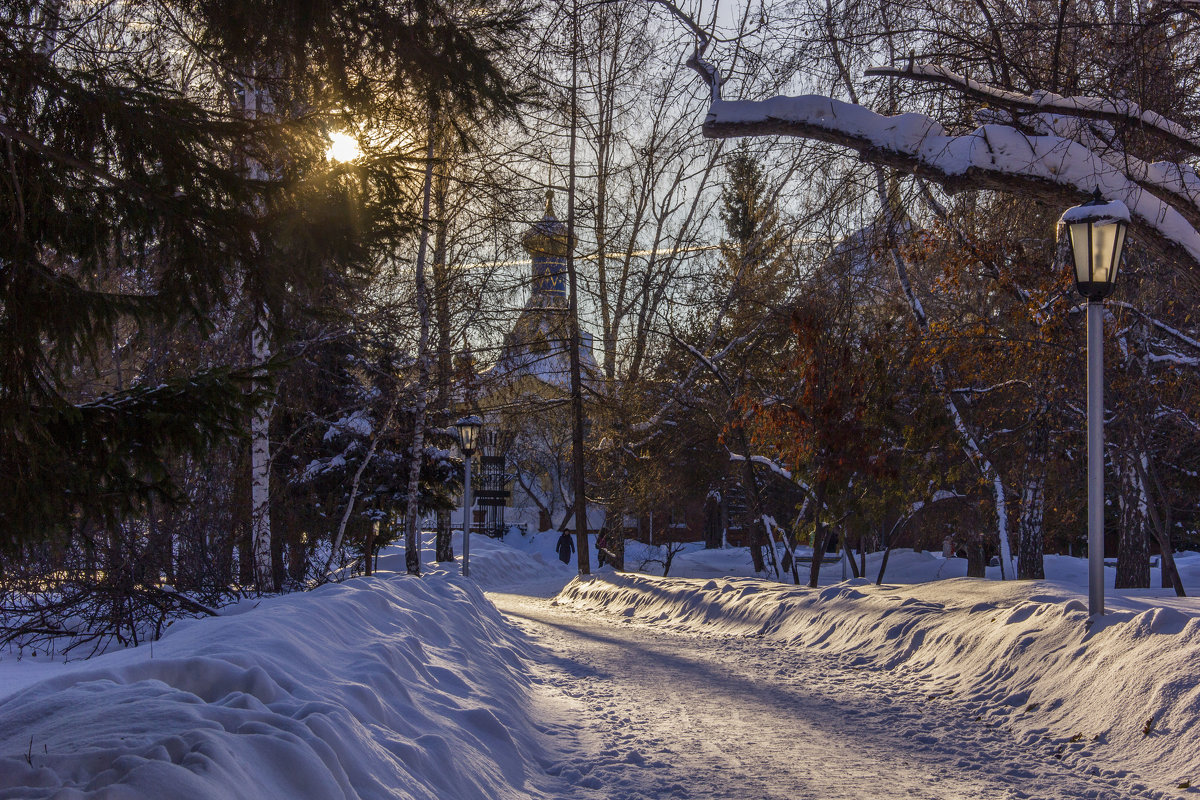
667 714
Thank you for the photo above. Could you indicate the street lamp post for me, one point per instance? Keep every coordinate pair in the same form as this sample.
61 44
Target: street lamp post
1097 235
468 438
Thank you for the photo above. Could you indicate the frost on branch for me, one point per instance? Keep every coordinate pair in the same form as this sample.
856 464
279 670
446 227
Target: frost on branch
1058 169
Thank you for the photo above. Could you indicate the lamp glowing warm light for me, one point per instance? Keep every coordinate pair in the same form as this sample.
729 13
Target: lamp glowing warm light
342 148
1097 235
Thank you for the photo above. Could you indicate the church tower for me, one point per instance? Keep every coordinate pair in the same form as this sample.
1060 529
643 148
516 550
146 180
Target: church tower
539 343
548 247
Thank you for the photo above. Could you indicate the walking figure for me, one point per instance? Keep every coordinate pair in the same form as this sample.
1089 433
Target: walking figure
565 548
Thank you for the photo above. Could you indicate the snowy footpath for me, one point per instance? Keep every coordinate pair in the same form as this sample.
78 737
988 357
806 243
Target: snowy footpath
681 714
625 687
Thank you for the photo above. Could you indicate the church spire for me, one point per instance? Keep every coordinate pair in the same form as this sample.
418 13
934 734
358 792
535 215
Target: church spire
547 244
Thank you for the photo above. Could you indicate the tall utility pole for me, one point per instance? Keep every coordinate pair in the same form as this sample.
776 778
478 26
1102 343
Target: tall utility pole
581 522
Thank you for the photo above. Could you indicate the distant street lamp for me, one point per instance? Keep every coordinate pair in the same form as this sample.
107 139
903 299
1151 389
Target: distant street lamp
1097 235
468 439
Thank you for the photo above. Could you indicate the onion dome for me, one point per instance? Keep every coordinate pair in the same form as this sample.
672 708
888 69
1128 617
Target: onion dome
548 246
547 236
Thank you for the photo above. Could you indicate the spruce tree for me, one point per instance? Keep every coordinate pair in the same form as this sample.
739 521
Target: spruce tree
127 209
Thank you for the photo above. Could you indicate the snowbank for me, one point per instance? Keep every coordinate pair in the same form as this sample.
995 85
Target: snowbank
378 687
1125 690
521 558
904 566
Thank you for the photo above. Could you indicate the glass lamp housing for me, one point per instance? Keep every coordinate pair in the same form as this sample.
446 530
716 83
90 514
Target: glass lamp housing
1097 235
468 433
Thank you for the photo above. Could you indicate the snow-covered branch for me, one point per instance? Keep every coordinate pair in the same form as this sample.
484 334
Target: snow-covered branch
992 388
1119 111
773 466
935 497
1162 326
1173 358
999 157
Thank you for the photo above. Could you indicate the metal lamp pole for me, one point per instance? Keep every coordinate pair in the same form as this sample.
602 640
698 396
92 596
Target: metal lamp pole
1096 231
468 436
1095 450
466 568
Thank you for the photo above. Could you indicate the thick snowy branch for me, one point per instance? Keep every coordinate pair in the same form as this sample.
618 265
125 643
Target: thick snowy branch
1118 111
991 157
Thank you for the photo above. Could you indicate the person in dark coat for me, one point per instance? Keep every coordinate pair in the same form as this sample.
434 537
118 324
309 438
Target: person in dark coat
565 548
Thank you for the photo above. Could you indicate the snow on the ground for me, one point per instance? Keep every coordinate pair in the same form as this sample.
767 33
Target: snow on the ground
402 687
389 686
541 548
904 566
688 715
1125 689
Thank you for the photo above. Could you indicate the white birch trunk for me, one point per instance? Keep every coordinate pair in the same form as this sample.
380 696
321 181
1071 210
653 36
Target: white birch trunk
769 525
260 465
1032 514
253 104
412 539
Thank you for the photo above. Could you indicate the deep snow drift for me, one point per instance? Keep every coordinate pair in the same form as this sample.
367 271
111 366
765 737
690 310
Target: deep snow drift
400 687
1123 692
389 686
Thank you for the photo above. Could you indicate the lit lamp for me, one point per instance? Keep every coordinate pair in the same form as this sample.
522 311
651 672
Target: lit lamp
468 440
1096 231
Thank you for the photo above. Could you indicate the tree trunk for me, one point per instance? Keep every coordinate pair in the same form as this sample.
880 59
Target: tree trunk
712 524
412 536
577 443
1133 547
614 528
260 463
443 543
443 288
369 550
1030 528
724 519
848 554
254 103
297 561
819 534
883 565
976 560
1159 518
772 547
1170 572
756 524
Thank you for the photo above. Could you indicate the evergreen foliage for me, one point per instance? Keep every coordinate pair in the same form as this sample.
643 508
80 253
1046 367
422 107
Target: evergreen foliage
132 213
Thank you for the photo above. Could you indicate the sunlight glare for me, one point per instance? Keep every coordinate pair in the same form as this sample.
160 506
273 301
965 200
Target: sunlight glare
342 148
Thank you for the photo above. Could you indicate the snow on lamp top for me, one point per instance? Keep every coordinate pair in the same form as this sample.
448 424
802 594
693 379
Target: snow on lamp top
1096 231
1099 211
